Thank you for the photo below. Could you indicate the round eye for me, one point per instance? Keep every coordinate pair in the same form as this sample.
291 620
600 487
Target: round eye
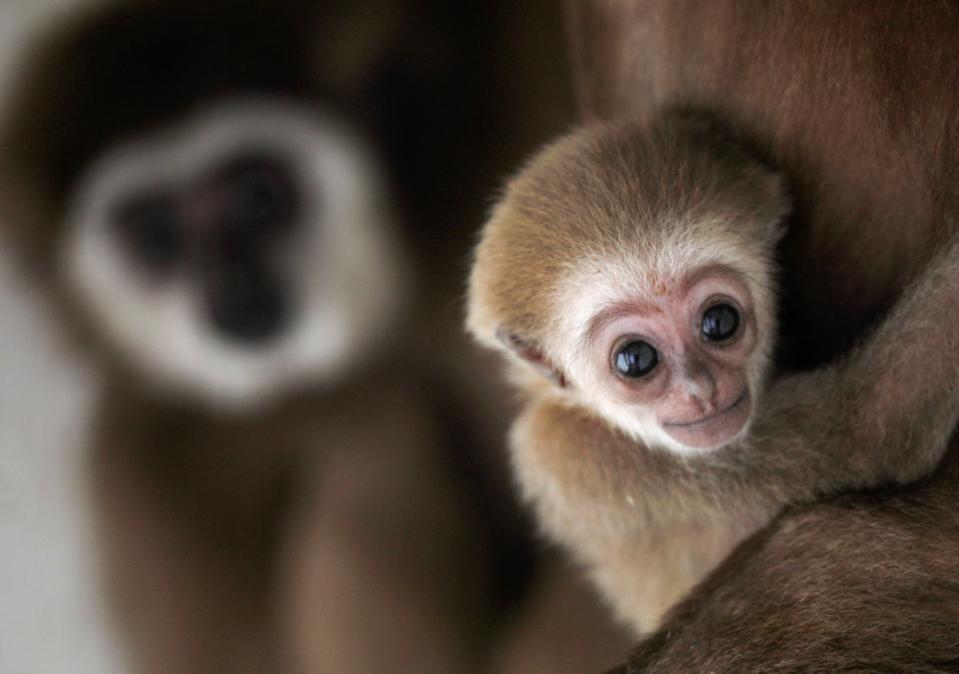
720 323
635 359
152 229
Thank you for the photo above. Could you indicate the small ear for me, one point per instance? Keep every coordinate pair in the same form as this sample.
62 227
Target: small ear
530 351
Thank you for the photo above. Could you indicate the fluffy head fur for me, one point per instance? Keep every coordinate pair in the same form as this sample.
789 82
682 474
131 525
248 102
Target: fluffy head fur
641 208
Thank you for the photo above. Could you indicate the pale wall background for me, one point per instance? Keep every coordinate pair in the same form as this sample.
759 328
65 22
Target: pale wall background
50 619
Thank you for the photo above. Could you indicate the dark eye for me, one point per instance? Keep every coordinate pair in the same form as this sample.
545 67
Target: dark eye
260 193
151 228
720 323
635 359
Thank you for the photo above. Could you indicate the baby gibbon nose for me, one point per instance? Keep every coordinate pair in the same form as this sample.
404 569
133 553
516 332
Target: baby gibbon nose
698 387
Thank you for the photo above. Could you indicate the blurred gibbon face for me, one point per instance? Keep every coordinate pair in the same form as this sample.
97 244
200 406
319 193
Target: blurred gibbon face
237 252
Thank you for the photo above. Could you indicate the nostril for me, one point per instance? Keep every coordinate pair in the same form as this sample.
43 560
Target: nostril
696 401
707 405
248 307
699 383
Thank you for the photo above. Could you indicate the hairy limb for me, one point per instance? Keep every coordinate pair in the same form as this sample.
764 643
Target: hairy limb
651 524
882 414
638 520
877 594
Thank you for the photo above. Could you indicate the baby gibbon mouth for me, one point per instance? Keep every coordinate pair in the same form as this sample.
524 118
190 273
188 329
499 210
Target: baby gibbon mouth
715 429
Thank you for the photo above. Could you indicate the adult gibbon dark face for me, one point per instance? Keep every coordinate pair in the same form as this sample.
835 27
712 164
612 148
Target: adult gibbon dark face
206 186
242 249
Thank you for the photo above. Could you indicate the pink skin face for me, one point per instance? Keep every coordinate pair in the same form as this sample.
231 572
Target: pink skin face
698 390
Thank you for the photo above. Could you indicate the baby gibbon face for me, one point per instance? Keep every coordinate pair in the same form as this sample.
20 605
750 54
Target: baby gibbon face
678 359
634 267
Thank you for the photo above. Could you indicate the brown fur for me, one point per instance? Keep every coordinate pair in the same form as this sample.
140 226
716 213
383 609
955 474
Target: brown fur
854 101
269 536
562 628
648 523
592 189
863 583
857 102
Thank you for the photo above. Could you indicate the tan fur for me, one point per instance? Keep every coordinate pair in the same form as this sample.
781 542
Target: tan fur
598 190
857 102
647 523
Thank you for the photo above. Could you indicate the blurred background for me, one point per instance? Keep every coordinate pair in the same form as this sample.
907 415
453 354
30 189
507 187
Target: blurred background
53 619
240 426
